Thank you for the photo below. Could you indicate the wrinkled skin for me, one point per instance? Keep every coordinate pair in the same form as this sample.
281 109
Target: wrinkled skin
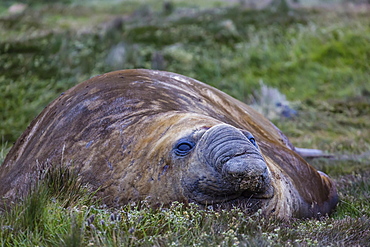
162 137
225 164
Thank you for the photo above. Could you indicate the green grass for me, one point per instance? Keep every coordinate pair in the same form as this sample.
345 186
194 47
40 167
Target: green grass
318 59
42 220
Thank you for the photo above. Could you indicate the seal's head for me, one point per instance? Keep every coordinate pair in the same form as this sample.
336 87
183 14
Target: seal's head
162 137
223 163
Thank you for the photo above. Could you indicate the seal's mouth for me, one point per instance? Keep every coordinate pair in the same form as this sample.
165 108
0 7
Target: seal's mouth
248 202
219 188
243 197
269 193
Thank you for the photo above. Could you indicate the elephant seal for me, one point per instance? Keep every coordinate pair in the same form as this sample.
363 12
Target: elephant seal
163 137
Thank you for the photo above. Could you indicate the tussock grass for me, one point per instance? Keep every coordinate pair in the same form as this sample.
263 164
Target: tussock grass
37 216
318 60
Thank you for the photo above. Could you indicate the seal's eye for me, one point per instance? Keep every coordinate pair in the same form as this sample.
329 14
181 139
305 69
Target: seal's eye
251 138
184 147
253 141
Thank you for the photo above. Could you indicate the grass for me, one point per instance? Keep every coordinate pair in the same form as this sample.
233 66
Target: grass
318 59
47 222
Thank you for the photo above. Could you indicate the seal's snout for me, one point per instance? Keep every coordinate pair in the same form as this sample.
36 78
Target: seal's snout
236 158
246 173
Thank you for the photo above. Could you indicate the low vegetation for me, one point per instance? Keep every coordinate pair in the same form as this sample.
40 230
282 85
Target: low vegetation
318 59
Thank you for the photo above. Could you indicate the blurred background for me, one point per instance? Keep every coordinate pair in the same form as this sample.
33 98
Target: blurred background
302 63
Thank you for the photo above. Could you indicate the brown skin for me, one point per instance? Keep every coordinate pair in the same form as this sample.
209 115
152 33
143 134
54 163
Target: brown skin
163 137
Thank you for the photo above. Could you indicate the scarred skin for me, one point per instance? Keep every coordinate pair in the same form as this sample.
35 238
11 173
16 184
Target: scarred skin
162 137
